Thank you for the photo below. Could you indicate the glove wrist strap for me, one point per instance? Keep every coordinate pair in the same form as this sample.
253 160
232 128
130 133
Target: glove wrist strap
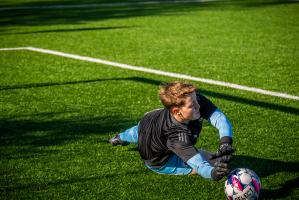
226 140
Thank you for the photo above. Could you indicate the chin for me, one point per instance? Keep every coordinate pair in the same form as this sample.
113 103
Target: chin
197 117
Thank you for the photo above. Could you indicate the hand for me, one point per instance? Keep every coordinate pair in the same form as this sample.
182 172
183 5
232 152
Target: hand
225 150
220 170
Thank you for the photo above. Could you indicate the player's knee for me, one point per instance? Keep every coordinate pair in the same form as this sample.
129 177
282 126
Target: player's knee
193 172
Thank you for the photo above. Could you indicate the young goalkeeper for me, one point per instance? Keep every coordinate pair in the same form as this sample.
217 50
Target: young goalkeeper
166 137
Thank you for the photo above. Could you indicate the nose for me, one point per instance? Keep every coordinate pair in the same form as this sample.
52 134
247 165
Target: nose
197 106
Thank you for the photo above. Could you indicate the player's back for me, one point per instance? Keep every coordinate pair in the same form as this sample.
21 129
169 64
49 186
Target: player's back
152 138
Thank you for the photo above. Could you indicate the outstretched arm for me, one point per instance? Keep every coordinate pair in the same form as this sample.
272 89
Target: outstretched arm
220 121
203 168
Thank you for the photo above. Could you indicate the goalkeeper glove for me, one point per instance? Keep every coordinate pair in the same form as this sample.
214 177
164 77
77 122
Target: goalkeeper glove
225 150
219 171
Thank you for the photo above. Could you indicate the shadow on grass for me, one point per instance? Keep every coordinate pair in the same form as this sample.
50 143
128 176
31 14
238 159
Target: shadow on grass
40 133
265 167
50 12
232 98
263 3
285 190
70 30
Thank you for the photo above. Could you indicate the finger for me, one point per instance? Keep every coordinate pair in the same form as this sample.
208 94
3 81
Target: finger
221 165
222 170
220 174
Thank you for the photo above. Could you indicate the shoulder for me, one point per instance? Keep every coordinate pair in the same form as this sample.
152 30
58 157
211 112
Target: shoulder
200 97
157 110
206 106
156 115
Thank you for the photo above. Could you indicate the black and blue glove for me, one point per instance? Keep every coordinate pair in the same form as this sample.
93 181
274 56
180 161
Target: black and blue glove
219 171
225 150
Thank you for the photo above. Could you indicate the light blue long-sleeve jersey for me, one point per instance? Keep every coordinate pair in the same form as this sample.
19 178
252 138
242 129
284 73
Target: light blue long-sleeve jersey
197 162
220 121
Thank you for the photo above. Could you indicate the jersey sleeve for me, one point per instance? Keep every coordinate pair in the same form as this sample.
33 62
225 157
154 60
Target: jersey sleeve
180 143
206 106
221 122
201 166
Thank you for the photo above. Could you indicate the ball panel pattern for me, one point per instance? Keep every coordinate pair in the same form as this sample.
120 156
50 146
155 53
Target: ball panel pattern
242 183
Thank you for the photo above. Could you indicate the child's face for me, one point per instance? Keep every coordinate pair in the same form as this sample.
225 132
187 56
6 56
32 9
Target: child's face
190 111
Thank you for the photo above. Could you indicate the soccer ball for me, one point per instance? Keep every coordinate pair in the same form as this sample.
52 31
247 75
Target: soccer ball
242 184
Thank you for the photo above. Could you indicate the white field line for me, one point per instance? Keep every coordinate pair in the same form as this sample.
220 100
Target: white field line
13 49
116 4
158 72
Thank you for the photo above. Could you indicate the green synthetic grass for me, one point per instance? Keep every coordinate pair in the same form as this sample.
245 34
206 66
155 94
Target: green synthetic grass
57 113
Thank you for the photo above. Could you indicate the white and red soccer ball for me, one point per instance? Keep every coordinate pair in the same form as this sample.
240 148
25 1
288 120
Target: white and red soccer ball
242 184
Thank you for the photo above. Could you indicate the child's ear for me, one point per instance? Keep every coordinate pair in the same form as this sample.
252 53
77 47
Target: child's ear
174 110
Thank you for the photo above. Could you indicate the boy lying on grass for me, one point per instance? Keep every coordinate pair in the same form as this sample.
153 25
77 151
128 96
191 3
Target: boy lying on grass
166 137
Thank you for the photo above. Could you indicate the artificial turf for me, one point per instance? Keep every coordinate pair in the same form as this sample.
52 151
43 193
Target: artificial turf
57 113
